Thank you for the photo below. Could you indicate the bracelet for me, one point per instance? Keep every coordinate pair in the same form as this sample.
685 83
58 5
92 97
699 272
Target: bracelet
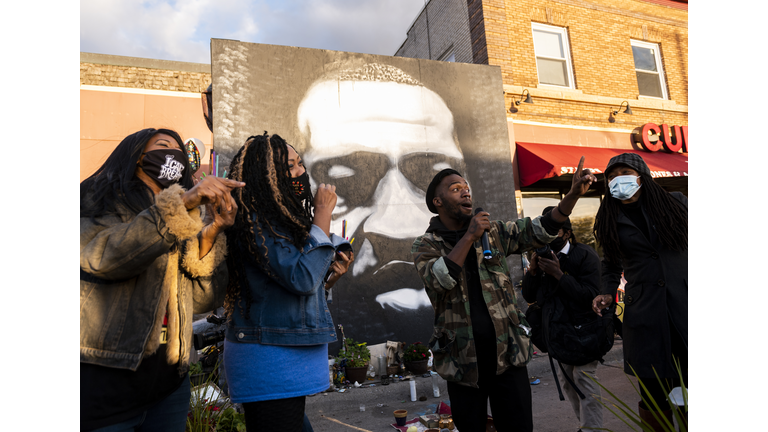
561 211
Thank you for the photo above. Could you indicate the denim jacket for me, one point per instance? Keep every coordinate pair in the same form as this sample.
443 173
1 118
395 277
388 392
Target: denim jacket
134 268
289 309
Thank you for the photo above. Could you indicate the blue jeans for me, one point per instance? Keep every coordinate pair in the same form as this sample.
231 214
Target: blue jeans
307 426
168 415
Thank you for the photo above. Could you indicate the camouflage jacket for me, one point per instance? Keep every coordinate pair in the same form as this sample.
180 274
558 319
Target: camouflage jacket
452 342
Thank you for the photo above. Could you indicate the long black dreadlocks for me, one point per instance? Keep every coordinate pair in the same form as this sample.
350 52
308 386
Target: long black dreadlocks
670 219
268 205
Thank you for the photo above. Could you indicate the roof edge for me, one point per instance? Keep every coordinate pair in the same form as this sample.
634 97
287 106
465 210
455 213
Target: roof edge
115 60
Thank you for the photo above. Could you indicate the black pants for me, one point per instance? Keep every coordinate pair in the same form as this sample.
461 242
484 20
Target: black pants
655 390
285 415
509 393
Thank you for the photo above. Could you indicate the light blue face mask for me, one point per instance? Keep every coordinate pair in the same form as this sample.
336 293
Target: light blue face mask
624 187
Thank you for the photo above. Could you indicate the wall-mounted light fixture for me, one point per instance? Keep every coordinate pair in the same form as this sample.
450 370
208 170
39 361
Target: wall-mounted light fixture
528 99
628 110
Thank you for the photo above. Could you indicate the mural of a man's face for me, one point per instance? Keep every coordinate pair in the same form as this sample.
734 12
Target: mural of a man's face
380 143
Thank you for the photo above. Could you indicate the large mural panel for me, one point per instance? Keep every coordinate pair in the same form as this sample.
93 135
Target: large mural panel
379 128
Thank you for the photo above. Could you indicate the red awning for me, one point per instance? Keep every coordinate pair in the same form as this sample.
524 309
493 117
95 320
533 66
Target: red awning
541 161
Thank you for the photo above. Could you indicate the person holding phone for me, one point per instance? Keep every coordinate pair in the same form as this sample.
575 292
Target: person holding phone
280 250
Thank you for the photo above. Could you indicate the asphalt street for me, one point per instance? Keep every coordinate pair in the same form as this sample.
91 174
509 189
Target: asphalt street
334 411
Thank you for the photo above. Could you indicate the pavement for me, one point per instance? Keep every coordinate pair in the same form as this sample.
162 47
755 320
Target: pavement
370 408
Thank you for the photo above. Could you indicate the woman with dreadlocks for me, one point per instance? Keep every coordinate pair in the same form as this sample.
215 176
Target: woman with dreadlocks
280 250
147 263
644 232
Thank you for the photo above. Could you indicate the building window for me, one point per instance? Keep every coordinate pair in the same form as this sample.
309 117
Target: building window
448 55
650 74
553 59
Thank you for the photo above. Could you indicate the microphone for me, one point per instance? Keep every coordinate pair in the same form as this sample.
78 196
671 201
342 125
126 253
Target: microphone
484 240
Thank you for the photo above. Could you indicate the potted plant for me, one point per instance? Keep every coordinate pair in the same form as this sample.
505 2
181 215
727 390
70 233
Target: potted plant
416 357
357 356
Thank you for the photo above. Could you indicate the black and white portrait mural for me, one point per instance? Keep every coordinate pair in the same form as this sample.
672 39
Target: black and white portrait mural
379 128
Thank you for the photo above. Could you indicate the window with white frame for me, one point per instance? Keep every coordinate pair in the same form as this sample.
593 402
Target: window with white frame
650 73
553 58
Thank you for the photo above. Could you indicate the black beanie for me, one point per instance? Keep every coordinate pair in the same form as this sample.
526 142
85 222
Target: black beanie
566 224
433 185
632 160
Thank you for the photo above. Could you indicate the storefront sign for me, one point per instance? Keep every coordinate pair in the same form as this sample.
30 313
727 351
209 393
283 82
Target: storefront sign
670 139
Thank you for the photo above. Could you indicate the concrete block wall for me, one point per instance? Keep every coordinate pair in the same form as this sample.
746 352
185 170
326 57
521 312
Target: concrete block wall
448 25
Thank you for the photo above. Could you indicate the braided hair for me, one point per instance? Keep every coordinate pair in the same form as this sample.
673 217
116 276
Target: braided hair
670 219
266 206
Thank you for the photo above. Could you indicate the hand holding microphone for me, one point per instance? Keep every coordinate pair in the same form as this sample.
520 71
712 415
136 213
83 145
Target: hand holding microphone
482 221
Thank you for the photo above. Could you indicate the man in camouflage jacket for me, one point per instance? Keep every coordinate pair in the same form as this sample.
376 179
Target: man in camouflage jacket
480 340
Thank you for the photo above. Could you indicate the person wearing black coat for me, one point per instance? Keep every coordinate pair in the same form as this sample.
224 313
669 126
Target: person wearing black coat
644 233
570 275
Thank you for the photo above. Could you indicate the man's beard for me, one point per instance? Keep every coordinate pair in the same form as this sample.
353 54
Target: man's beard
455 211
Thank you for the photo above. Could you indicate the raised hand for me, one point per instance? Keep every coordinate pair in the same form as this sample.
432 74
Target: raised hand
210 190
221 215
582 179
325 202
534 264
218 217
325 197
551 265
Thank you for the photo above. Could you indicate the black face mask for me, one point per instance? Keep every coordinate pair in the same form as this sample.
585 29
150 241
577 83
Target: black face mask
301 186
557 244
165 166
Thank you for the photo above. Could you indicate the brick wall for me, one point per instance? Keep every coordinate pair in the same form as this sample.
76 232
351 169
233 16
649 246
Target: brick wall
599 34
449 31
119 71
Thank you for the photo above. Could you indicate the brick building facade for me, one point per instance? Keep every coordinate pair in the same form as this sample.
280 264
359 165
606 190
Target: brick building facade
579 60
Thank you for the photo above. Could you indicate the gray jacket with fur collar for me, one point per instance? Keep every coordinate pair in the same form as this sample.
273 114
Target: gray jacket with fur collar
135 267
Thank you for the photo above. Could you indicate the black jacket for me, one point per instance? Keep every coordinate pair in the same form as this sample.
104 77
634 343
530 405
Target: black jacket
656 294
577 287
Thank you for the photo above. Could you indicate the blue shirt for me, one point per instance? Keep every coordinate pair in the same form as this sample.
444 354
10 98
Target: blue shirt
257 372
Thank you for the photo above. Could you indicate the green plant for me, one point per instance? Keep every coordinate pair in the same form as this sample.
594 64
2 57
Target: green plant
357 354
195 368
416 352
205 409
230 420
628 415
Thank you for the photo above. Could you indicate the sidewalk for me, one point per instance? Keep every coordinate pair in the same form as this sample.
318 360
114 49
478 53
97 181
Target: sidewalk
334 411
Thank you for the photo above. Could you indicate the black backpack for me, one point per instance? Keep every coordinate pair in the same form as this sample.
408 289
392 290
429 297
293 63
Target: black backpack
571 344
576 344
552 332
